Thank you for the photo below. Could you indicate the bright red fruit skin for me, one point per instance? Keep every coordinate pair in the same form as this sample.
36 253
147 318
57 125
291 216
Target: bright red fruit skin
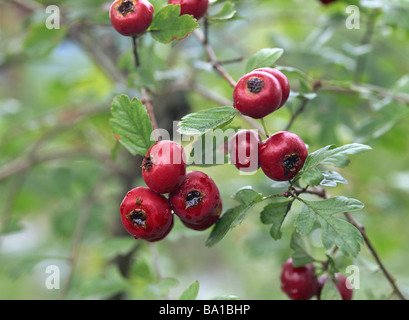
298 283
282 156
197 201
245 150
146 214
164 166
196 8
257 94
340 284
282 79
131 17
207 223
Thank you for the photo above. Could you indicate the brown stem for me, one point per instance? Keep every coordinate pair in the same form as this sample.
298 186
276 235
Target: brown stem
213 59
301 108
149 108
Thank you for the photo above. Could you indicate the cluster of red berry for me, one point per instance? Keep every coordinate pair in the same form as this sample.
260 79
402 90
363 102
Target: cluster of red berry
193 196
301 283
133 17
282 155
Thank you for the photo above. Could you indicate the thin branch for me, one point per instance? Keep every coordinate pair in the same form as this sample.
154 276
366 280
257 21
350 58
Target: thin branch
301 108
149 108
212 58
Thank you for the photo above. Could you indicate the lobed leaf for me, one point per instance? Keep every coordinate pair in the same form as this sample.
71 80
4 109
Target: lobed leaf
169 25
203 121
131 124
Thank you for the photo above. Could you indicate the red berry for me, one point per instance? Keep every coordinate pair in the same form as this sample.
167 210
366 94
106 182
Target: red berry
282 79
131 17
257 94
341 285
244 150
197 201
146 214
298 283
196 8
282 155
164 166
207 223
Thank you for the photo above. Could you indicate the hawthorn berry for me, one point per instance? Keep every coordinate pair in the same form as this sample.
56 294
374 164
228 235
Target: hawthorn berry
197 202
257 94
164 166
146 214
282 79
341 283
282 155
298 283
131 17
245 150
196 8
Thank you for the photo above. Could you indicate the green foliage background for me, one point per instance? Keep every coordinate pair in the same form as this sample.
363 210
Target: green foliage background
60 186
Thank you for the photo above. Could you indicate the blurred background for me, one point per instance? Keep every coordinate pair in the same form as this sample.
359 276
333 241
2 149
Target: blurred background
61 186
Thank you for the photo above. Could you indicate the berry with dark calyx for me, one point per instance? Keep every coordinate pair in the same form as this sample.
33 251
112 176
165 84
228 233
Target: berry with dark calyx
146 215
196 8
282 79
197 202
341 283
164 166
282 156
245 150
131 17
298 283
257 94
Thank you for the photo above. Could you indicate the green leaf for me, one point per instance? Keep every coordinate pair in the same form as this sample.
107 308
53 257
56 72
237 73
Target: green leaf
329 155
264 58
227 12
331 178
247 196
131 124
191 292
274 213
313 177
334 231
226 222
169 25
330 291
203 121
301 255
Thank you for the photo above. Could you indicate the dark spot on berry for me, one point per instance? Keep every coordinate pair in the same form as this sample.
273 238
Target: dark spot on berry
291 162
126 7
147 163
138 218
193 198
255 85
